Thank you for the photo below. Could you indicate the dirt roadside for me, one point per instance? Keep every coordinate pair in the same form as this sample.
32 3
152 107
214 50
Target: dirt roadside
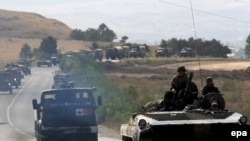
239 69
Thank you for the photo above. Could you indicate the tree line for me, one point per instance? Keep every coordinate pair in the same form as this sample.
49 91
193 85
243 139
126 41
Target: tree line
102 33
212 48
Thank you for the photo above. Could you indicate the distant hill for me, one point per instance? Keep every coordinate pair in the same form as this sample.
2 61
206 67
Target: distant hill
30 25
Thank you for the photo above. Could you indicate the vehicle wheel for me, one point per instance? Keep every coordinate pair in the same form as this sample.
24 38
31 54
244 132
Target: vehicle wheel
16 86
41 139
11 91
126 139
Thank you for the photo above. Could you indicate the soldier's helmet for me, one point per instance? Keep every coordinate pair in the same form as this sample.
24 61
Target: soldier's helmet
209 79
181 69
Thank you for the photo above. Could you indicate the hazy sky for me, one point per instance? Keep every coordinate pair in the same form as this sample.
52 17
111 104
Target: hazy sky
147 20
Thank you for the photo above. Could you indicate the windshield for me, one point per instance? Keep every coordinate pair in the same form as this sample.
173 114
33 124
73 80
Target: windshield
67 98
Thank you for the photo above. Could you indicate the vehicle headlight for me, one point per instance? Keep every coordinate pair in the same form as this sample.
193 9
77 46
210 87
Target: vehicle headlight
142 123
243 120
9 84
14 79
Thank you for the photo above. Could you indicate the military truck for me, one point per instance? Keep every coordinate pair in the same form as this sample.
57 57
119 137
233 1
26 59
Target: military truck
186 52
119 52
66 114
16 75
44 63
162 52
111 53
5 82
62 80
25 69
25 66
126 51
137 51
98 54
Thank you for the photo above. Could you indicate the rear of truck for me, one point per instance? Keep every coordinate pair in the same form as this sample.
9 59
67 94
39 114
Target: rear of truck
62 116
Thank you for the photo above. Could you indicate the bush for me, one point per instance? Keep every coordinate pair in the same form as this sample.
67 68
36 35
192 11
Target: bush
117 103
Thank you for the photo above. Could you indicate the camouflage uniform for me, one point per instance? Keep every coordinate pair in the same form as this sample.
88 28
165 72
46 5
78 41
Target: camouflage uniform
179 82
209 88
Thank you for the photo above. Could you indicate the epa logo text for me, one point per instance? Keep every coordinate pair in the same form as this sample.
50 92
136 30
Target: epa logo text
239 133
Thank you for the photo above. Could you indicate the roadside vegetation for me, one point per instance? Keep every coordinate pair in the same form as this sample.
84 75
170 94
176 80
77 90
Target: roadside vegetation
125 94
118 103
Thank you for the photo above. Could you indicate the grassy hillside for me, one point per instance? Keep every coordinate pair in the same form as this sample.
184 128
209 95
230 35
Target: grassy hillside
30 25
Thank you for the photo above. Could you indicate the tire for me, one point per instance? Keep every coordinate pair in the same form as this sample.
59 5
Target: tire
126 138
11 91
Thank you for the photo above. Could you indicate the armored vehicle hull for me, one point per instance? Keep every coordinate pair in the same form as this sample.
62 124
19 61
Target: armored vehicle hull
182 125
206 118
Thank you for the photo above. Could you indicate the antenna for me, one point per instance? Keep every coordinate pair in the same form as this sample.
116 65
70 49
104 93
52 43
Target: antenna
197 51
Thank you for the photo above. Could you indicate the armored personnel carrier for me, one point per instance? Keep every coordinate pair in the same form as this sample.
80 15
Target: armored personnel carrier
190 123
205 118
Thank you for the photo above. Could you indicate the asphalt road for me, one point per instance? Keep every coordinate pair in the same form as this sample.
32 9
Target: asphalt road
16 113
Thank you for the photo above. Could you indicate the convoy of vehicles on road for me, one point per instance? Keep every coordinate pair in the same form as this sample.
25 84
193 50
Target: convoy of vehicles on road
12 75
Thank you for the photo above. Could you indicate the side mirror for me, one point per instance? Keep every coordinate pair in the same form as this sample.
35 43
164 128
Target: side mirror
99 100
34 103
93 88
71 84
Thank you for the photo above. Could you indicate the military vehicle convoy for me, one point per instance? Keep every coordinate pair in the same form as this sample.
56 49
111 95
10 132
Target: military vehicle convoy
66 114
121 52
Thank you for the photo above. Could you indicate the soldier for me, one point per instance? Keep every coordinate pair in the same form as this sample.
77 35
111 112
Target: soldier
209 88
179 81
178 96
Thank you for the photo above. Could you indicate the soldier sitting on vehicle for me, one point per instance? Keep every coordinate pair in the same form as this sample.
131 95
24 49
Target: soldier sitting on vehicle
183 91
209 88
213 102
179 81
189 96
